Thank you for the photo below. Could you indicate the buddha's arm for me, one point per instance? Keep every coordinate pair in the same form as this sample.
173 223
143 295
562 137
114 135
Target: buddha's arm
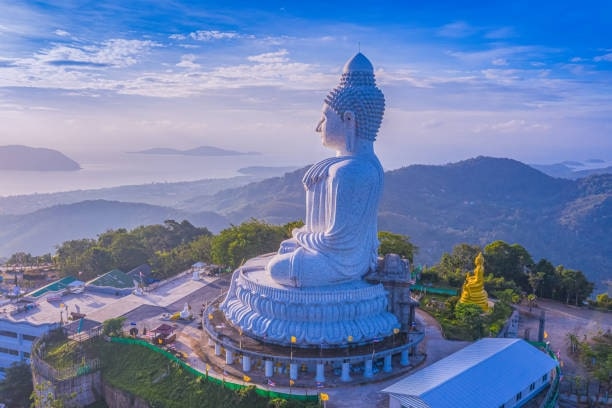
351 191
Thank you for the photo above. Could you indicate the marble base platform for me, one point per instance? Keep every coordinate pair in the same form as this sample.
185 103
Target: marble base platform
327 316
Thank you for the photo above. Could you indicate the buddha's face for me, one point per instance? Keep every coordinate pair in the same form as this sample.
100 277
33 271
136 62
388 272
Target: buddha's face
332 129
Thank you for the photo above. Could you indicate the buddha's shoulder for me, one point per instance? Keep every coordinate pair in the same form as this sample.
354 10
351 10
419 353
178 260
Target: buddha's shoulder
356 167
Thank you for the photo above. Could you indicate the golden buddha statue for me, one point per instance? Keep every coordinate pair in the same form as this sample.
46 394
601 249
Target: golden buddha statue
473 287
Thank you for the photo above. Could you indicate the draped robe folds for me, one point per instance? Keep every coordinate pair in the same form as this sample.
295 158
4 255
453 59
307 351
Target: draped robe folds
338 242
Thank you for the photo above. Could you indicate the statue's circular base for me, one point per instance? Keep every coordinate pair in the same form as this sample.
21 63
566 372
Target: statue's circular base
313 317
239 354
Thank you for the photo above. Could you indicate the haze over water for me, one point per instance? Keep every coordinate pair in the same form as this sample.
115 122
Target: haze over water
129 169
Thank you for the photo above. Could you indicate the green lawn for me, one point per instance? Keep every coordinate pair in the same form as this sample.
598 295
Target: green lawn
157 380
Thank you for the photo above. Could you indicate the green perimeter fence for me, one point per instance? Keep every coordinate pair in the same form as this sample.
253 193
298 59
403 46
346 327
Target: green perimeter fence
437 291
227 384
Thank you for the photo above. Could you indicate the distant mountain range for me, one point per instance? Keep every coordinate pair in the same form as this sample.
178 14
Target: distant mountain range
198 151
475 201
574 169
41 231
24 158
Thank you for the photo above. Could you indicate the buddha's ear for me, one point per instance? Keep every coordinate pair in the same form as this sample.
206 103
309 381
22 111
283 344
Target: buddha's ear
348 119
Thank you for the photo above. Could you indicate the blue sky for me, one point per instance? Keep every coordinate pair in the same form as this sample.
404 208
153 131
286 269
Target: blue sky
520 79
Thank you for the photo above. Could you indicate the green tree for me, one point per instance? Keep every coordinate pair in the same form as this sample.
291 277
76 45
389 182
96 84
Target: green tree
453 267
512 262
535 279
69 255
16 387
113 326
128 251
470 315
508 296
391 243
95 261
182 233
604 301
22 259
278 403
106 239
573 286
290 226
42 396
200 249
596 355
548 284
236 244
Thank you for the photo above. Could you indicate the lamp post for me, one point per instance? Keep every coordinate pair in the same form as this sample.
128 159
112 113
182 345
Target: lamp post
395 331
293 340
324 397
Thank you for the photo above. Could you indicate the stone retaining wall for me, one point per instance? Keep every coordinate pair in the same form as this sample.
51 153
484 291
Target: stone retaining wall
116 398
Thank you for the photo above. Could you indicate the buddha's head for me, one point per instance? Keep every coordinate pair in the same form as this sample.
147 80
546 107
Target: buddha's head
359 96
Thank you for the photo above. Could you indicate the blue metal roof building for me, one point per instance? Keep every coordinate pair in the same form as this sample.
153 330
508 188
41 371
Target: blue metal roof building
490 373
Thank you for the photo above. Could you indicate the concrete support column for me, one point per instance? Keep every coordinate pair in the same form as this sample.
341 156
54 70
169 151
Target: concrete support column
346 372
293 371
246 364
229 357
217 349
269 368
404 359
320 376
387 368
367 369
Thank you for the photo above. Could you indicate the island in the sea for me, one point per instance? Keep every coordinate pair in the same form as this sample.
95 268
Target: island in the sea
25 158
196 151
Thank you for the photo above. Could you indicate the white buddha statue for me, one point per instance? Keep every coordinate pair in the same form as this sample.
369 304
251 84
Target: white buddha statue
338 242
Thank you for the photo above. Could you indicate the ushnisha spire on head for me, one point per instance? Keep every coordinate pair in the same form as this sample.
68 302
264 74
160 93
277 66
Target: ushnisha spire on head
358 93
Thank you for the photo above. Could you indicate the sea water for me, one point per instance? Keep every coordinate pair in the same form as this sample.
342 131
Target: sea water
131 169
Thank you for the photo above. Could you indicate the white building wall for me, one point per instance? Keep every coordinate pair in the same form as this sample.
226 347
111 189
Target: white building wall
527 393
16 339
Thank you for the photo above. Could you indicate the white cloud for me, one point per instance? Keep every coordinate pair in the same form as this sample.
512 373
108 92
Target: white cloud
501 33
423 78
502 76
113 53
512 126
188 61
499 62
501 53
431 124
605 57
276 57
458 29
61 33
209 35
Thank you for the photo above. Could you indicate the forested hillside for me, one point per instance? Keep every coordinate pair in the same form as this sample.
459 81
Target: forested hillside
475 201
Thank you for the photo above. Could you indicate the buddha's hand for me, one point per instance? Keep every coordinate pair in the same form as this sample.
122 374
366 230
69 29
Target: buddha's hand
288 245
